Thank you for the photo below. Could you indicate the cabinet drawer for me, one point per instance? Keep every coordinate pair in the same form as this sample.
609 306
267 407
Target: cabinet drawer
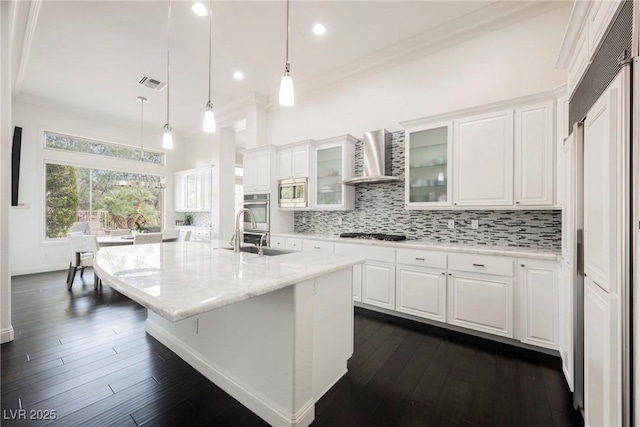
421 258
277 242
498 265
316 245
376 253
293 244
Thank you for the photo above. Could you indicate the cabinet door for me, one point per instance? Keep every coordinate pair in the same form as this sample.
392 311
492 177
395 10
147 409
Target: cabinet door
481 302
329 187
357 283
378 284
421 292
249 173
428 162
538 289
300 162
568 199
284 164
179 193
601 354
278 242
192 191
263 171
600 17
534 155
600 194
483 160
565 319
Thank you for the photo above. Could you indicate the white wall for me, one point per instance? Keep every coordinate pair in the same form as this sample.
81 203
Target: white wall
508 63
28 250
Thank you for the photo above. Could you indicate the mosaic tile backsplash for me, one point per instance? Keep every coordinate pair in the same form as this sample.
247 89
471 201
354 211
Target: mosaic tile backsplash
379 208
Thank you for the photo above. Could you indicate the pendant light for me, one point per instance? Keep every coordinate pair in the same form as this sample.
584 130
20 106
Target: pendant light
209 121
286 85
167 138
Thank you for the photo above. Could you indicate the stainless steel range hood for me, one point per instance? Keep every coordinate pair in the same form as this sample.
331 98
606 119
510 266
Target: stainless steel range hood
376 153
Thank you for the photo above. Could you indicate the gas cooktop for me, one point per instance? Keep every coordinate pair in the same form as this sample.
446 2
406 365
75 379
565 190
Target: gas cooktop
375 236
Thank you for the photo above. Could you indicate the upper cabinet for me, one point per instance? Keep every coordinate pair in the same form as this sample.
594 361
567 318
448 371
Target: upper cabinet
588 24
193 190
333 163
293 161
428 164
483 160
534 155
257 165
498 158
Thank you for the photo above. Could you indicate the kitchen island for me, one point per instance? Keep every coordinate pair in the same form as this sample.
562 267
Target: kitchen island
273 332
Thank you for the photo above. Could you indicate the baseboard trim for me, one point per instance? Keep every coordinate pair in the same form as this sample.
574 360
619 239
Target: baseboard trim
39 269
6 335
268 411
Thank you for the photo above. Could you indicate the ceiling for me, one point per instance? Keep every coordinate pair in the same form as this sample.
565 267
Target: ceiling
89 55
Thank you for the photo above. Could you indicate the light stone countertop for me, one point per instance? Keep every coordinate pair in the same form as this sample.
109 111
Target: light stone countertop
184 279
425 244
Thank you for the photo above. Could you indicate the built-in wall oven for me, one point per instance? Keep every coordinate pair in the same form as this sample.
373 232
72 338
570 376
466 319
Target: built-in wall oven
258 204
292 193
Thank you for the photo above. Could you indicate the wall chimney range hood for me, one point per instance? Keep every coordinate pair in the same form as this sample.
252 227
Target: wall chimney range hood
376 156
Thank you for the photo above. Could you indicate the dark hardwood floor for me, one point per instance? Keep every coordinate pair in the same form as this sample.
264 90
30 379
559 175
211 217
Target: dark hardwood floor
85 355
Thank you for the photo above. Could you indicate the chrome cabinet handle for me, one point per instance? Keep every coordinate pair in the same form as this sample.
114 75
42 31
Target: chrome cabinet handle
521 265
316 247
419 259
478 265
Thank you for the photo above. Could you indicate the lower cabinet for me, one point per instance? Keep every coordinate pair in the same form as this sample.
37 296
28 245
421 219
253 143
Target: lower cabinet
481 302
421 292
538 295
601 357
378 284
357 283
565 321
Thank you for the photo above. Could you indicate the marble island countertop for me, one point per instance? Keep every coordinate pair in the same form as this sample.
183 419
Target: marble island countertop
512 251
184 279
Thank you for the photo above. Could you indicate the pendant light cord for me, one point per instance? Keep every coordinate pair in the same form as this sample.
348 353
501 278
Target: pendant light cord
168 56
210 42
287 49
141 128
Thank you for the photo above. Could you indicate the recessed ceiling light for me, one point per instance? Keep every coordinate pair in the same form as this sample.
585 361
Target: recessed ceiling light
238 75
319 29
199 9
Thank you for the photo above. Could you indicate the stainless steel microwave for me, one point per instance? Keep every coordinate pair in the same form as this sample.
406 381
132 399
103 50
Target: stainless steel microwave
292 193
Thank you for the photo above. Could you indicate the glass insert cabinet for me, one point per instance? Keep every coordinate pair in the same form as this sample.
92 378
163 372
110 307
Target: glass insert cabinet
334 164
428 152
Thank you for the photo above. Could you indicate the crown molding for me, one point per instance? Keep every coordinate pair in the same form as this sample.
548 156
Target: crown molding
25 41
483 21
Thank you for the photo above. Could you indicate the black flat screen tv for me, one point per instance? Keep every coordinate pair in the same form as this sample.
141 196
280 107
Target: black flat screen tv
15 164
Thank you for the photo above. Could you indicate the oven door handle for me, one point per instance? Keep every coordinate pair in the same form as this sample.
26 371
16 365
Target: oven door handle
247 205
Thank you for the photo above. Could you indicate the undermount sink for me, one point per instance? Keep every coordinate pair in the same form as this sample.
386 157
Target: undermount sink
266 251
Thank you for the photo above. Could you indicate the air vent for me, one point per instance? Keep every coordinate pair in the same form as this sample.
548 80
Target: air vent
152 83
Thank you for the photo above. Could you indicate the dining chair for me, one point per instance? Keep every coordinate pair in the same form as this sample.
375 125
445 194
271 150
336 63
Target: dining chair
184 236
143 238
120 232
83 250
170 234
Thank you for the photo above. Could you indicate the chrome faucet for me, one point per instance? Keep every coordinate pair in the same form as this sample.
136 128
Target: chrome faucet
261 244
236 236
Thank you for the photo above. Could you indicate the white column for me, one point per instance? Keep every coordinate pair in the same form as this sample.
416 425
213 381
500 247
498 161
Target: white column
6 330
222 216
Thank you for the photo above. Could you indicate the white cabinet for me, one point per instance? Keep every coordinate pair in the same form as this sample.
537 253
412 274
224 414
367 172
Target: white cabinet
198 234
257 171
317 246
601 140
538 294
428 152
357 283
193 190
293 162
483 160
480 293
600 17
578 62
378 284
278 242
421 292
565 321
568 198
534 155
602 400
293 244
333 163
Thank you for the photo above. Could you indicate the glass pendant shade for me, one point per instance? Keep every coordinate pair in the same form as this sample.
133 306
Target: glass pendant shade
286 91
167 138
209 121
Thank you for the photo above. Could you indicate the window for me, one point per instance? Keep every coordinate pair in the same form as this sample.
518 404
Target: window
58 141
76 196
239 191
